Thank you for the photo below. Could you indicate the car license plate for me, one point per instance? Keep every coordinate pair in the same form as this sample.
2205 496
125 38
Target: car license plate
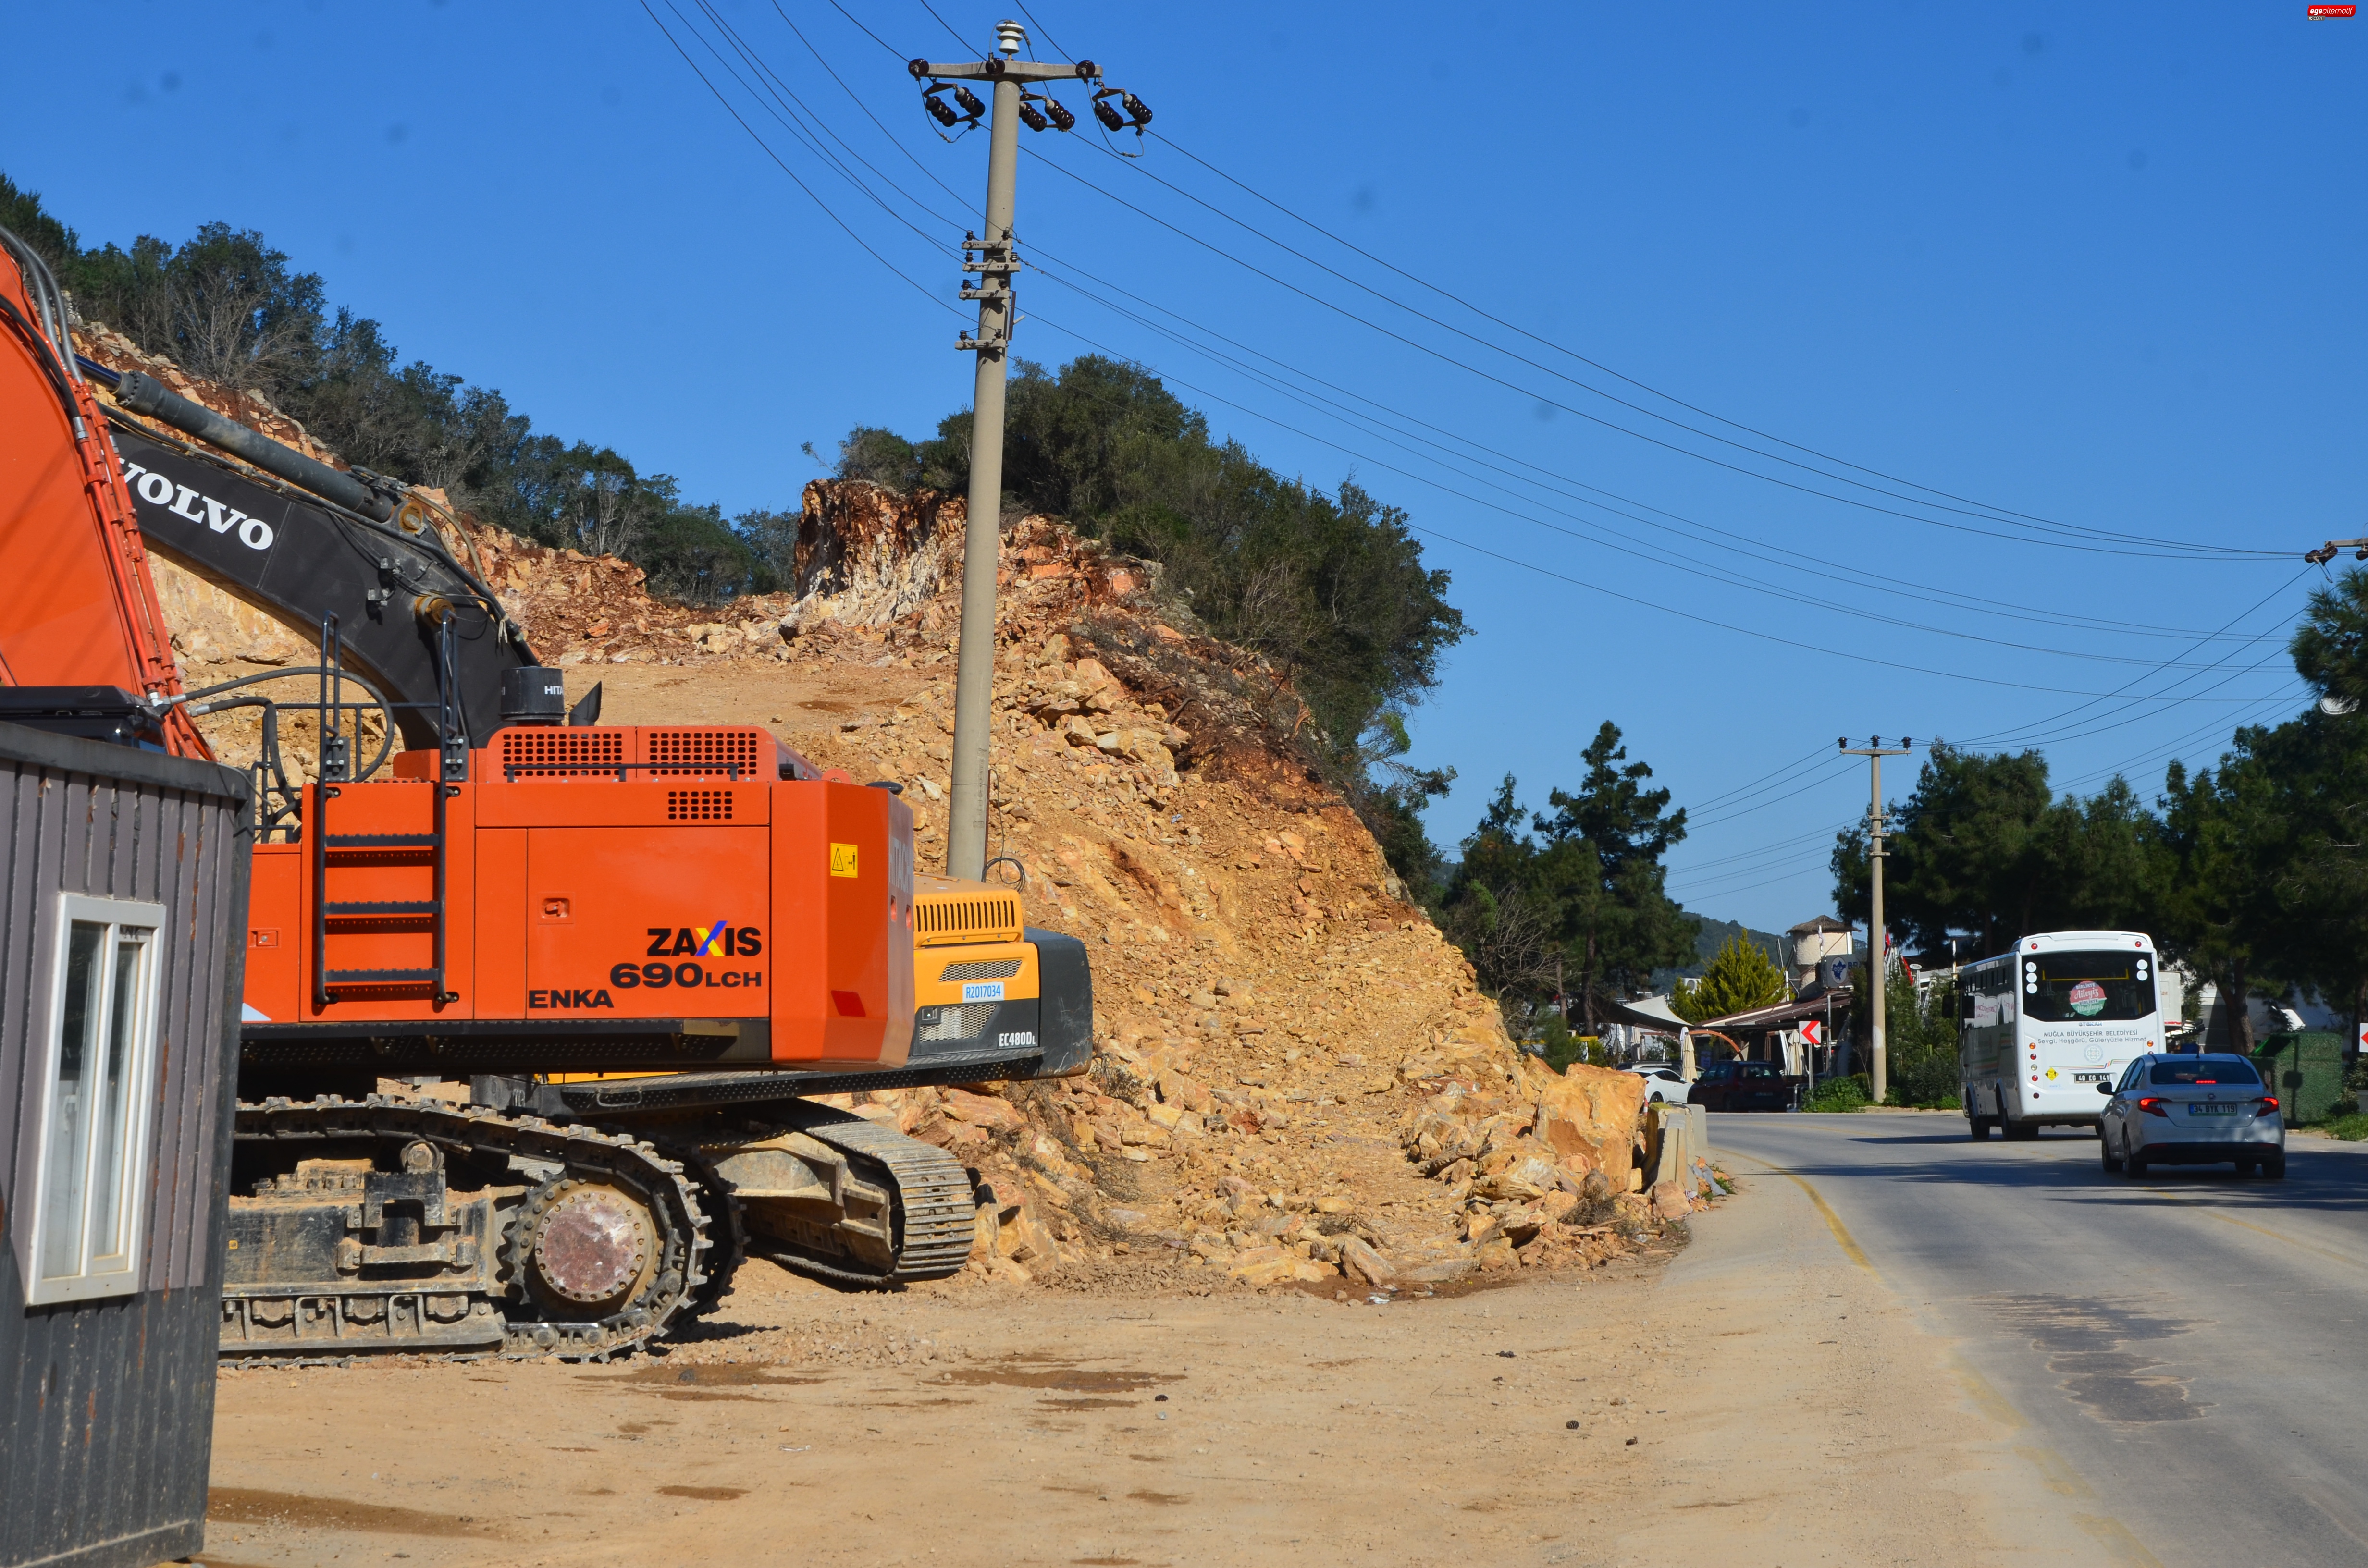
2210 1111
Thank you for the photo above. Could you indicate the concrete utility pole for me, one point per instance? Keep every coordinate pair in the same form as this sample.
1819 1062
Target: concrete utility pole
1878 969
998 259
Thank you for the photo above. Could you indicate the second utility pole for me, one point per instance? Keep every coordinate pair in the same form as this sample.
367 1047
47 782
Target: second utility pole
982 534
1878 968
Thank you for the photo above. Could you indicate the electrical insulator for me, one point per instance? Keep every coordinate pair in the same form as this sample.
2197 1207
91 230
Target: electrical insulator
944 116
969 101
1031 119
1136 107
1107 115
1061 116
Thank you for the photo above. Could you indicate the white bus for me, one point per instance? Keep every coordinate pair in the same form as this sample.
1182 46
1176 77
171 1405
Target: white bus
2039 1027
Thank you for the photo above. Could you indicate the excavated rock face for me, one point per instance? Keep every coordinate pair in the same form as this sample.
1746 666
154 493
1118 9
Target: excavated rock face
874 554
1297 1082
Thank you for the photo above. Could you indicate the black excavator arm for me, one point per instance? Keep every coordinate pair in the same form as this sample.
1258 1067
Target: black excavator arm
320 544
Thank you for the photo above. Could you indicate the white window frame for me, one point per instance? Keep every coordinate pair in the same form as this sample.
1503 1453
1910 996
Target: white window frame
132 1185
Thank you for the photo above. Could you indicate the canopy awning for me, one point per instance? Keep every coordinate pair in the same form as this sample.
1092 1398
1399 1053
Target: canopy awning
1783 1015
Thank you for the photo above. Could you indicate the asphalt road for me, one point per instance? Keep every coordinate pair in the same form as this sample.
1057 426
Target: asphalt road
2188 1348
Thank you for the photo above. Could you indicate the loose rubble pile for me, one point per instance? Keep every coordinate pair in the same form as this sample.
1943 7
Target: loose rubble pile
1296 1082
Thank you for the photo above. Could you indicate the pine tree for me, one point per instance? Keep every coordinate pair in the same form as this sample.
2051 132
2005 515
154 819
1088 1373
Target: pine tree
1739 978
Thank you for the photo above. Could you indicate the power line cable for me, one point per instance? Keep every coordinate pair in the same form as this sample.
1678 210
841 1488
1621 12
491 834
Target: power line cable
791 121
2180 552
1687 566
860 242
1573 354
1808 761
1696 568
2041 725
1719 888
1044 33
1459 301
866 30
1742 543
959 200
1696 871
932 10
1986 508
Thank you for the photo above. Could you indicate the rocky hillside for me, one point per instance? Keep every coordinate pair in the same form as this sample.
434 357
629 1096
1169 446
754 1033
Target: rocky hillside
1296 1081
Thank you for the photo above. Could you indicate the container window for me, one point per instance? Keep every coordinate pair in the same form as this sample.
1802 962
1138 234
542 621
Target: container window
98 1095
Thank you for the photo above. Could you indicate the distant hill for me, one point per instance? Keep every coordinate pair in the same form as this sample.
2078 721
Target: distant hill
1716 934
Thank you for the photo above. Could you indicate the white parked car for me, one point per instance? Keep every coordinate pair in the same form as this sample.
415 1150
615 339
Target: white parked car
1662 1083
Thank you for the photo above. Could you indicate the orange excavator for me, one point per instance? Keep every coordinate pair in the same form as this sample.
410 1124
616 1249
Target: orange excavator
534 1014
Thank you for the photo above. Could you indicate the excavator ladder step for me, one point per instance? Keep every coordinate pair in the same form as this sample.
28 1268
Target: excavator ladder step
327 982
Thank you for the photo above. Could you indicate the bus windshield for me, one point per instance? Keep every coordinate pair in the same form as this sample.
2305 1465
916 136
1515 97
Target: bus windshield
2064 988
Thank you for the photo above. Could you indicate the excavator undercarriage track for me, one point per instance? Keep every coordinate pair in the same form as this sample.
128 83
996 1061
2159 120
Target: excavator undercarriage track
394 1226
929 1219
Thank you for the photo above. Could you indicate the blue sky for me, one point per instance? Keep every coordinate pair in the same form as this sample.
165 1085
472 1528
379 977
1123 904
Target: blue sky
2094 264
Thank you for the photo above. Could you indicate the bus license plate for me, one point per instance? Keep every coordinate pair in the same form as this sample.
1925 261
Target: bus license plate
2210 1111
2090 1077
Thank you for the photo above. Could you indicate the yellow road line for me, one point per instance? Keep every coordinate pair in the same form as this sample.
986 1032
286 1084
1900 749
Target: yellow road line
2056 1473
2198 1205
2119 1544
1833 1222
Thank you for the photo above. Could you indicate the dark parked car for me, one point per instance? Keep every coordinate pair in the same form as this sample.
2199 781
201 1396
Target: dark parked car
1745 1085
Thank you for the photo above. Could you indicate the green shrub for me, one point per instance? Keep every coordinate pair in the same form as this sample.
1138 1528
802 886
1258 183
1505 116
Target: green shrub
1840 1094
2351 1128
1561 1047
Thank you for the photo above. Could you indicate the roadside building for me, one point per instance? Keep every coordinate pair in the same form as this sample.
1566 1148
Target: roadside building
1816 945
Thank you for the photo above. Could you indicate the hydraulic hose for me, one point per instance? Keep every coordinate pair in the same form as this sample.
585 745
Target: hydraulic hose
144 393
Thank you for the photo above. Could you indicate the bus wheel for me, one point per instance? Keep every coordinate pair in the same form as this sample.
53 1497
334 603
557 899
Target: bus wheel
1978 1129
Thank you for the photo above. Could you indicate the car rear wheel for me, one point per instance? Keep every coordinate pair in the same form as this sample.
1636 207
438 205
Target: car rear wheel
2274 1167
2134 1166
2105 1144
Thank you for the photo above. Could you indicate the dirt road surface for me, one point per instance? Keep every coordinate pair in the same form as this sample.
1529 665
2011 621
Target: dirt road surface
1758 1398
